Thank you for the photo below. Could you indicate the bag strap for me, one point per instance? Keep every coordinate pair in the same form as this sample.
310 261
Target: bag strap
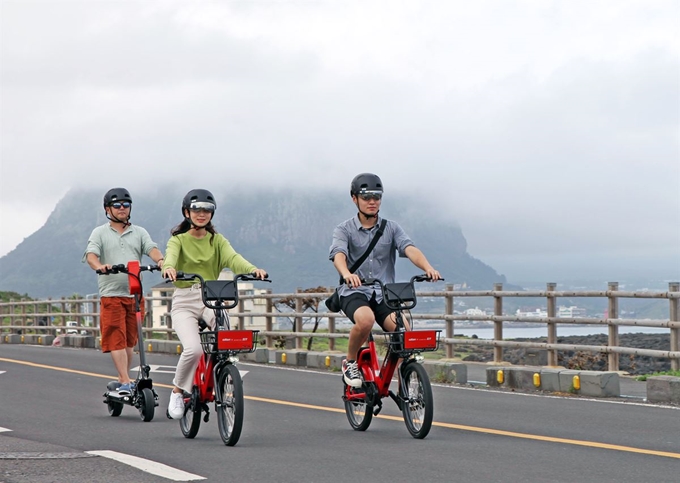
371 245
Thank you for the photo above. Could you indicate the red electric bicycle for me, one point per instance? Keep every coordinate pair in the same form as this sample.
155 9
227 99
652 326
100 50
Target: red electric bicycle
142 394
414 396
217 378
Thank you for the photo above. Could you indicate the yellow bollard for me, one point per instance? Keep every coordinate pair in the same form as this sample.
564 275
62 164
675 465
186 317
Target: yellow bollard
537 379
39 340
328 361
576 382
148 347
283 358
179 348
500 377
22 339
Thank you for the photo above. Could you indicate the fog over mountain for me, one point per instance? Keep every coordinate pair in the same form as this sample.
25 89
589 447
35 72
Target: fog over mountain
286 232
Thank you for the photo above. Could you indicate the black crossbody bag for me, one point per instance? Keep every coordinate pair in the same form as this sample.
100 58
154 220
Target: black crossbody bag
333 302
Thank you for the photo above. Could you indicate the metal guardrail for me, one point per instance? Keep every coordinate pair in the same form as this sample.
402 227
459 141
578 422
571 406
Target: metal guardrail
72 309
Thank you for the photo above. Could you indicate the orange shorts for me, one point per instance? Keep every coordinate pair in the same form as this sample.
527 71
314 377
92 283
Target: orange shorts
118 322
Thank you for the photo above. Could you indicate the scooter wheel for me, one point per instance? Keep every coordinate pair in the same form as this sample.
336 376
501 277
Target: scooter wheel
147 404
115 408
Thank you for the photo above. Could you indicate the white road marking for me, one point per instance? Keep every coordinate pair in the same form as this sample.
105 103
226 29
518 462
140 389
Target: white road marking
172 369
4 430
158 469
2 372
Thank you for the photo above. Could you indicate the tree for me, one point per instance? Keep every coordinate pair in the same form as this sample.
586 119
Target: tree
309 304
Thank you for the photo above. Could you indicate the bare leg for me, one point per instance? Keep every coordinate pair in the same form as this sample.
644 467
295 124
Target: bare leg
364 318
120 361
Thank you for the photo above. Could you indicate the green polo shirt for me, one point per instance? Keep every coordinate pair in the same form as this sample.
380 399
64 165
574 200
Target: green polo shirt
198 255
114 248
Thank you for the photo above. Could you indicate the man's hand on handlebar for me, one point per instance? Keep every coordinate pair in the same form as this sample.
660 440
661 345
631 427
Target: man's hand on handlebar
103 269
352 280
433 274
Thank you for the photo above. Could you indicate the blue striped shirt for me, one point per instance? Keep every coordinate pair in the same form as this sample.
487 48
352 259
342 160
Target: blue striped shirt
352 239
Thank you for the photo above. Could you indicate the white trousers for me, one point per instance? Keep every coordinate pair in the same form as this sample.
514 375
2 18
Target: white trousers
187 308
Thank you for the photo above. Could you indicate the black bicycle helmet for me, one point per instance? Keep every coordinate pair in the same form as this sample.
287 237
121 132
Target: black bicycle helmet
198 198
366 183
116 194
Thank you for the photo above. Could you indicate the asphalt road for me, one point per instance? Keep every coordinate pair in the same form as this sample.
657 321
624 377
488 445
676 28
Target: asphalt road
55 428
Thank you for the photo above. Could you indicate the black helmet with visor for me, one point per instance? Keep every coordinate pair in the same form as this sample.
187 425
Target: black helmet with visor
199 199
366 184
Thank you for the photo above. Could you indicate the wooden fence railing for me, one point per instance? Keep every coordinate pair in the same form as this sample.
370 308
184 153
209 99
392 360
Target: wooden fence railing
50 316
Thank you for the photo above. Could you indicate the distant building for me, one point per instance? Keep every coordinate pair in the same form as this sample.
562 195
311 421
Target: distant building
570 312
534 313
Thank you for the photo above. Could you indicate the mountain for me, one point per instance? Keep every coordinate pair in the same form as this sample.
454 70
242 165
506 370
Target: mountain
286 232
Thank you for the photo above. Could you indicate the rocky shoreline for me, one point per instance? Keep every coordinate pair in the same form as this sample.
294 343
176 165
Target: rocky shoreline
635 365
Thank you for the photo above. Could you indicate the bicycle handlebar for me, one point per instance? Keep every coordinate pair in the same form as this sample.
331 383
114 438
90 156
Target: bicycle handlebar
400 295
120 268
212 291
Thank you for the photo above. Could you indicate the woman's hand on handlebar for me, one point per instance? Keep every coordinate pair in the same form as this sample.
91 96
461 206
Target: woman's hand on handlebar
259 273
170 273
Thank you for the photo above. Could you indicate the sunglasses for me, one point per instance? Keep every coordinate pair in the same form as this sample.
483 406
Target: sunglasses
121 204
372 196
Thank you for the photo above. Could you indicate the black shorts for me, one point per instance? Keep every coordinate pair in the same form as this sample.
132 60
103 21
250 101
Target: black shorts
352 302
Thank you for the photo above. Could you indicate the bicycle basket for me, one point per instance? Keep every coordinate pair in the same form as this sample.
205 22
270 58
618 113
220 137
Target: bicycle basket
398 293
228 341
220 290
411 341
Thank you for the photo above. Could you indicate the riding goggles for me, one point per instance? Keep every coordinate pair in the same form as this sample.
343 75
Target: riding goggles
370 195
121 204
202 206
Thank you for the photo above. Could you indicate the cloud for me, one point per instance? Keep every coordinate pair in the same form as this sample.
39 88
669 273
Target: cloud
542 127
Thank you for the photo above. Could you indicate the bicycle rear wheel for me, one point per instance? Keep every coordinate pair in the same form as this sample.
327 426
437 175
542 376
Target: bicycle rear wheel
359 412
418 405
230 409
191 420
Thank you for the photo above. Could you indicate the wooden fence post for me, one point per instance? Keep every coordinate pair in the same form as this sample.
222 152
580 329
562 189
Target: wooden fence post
298 320
331 330
551 306
241 318
613 340
498 324
269 320
449 323
675 317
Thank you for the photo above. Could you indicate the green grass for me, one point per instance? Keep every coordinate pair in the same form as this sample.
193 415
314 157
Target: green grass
664 373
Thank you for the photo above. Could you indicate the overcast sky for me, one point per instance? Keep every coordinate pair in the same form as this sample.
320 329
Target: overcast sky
548 129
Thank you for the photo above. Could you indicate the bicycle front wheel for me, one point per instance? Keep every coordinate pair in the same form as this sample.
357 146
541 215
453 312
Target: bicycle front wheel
418 405
191 420
229 405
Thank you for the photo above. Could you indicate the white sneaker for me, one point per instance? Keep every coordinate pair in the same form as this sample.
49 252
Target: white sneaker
176 406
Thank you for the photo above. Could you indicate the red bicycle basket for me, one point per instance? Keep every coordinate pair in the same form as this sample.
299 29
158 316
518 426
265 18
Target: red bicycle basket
420 339
234 340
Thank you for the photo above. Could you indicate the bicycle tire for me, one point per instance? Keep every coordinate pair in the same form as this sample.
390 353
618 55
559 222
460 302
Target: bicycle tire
418 404
147 404
359 413
229 406
191 421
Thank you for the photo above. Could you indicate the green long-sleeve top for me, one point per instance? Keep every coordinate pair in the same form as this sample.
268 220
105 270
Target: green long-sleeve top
197 255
